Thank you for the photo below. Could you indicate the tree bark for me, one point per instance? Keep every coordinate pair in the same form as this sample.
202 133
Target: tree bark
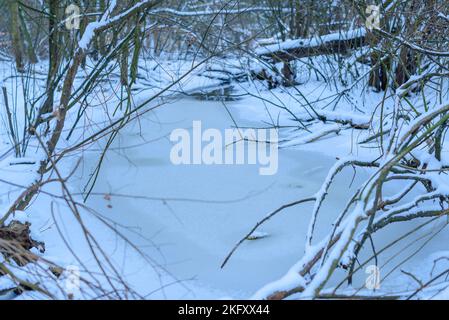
16 36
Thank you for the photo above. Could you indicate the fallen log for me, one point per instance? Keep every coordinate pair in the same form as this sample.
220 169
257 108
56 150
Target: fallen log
332 43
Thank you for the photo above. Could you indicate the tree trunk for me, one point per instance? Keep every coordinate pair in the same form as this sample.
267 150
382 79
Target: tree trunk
16 36
53 55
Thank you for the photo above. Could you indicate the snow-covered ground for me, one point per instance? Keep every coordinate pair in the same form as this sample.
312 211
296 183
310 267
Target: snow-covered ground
182 221
204 209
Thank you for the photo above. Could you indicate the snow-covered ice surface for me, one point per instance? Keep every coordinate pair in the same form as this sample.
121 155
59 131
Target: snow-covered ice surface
186 219
204 210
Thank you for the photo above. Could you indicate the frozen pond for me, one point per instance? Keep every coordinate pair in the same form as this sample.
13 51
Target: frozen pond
205 209
188 217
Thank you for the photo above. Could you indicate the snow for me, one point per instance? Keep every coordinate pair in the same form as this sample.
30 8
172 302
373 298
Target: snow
312 42
312 137
178 223
187 228
93 26
201 234
212 12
